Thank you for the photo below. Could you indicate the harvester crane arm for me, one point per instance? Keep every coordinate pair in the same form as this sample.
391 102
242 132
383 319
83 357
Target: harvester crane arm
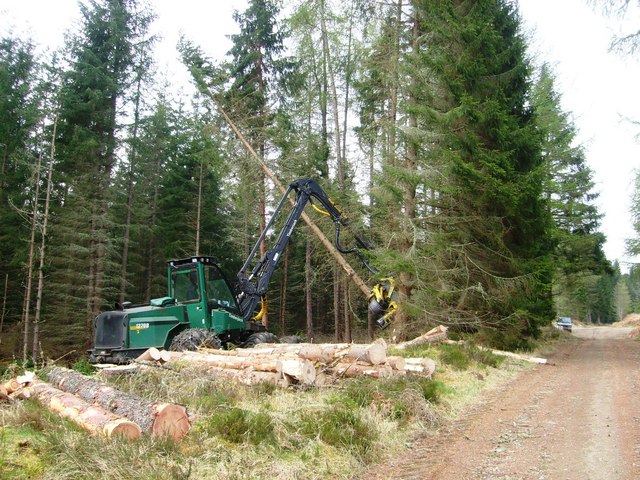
253 281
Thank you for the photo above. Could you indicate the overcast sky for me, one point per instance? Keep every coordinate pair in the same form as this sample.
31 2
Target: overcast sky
599 88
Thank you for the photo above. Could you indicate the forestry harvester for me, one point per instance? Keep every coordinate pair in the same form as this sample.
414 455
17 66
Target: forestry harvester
203 309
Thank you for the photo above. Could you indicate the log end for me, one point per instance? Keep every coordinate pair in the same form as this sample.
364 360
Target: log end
377 353
123 429
171 421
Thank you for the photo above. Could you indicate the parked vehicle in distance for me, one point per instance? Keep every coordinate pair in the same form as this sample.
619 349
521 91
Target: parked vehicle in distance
564 323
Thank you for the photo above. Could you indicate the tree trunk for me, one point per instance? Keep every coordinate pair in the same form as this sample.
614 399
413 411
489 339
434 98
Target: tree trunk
4 303
199 206
43 243
283 294
154 220
346 311
132 161
32 246
336 304
161 419
405 285
308 292
92 418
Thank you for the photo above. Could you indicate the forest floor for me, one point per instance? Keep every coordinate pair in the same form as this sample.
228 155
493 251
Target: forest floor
576 418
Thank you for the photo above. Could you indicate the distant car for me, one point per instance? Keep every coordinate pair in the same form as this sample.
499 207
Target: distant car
564 323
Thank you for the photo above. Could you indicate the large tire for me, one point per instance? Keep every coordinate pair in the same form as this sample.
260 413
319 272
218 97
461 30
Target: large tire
194 338
260 337
291 339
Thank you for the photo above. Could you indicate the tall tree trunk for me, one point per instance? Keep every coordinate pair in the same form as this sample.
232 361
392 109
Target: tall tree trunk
308 290
336 303
43 242
32 245
340 173
199 206
347 311
283 295
409 201
132 161
393 93
154 220
4 303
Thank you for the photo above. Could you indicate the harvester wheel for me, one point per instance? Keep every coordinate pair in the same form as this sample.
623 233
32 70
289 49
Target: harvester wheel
260 337
194 338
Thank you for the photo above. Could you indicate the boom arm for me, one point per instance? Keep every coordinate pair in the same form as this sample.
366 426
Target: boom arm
253 282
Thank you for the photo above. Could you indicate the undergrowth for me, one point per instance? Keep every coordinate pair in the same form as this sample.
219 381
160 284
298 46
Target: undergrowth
249 432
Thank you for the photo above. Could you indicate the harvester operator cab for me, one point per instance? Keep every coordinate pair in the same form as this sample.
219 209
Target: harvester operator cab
199 285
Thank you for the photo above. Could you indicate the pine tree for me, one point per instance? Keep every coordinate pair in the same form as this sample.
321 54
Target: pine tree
101 57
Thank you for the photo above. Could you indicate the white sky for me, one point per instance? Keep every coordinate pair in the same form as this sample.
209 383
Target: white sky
598 87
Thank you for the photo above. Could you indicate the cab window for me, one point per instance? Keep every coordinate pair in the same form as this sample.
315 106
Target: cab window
186 287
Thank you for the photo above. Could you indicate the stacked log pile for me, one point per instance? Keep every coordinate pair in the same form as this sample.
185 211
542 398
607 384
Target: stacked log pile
301 363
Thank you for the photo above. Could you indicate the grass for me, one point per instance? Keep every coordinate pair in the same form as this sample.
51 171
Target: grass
259 432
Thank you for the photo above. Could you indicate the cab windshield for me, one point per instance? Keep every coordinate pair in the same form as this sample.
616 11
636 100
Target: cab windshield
218 289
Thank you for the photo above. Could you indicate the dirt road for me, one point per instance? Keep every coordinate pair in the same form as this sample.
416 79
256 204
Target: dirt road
578 419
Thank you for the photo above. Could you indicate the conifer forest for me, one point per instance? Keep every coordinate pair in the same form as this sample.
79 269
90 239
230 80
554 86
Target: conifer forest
427 122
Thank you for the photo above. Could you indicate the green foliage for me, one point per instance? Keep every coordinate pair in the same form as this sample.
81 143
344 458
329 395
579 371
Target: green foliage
339 426
455 356
237 425
84 367
401 399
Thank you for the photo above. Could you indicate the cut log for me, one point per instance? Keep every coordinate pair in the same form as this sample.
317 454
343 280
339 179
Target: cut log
260 364
301 370
344 369
421 366
250 377
150 354
517 356
297 368
4 395
374 353
90 417
397 363
437 334
154 417
11 385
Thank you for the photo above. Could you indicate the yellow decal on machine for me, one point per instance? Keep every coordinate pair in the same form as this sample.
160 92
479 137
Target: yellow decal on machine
139 326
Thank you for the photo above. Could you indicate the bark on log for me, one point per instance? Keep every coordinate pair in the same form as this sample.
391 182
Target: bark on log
90 417
120 369
161 419
437 334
